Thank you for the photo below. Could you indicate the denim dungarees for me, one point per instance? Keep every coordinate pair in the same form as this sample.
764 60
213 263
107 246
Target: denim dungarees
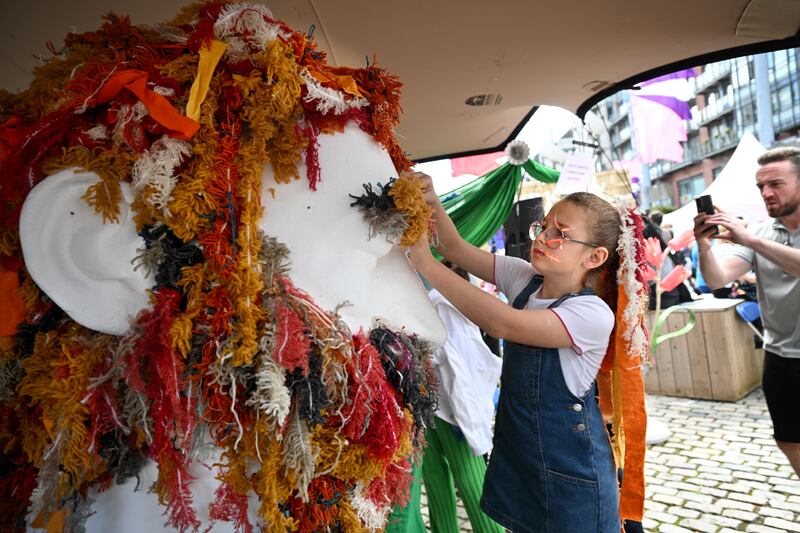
551 469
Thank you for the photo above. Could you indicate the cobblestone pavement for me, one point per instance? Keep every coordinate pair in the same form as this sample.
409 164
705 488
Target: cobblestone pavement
720 471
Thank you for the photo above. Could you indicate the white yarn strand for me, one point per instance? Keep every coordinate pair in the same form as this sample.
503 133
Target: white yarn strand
155 170
372 516
626 277
329 100
244 28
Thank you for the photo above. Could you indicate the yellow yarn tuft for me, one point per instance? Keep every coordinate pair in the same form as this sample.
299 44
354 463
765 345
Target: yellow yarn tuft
9 241
182 69
56 379
409 198
348 519
112 166
181 333
29 292
273 488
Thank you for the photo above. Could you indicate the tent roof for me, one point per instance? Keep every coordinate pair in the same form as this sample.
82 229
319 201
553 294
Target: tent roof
733 191
520 53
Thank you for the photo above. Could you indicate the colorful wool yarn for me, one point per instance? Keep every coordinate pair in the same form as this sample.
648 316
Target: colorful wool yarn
397 210
319 421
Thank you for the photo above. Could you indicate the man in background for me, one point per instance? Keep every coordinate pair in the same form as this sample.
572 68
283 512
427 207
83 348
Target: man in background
772 249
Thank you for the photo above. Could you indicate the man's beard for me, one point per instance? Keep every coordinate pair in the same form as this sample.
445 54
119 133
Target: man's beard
783 210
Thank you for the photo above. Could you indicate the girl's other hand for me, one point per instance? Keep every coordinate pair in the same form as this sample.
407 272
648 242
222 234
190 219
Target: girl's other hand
419 253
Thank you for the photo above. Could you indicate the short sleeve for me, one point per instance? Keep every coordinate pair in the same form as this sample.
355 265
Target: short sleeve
734 250
588 321
511 275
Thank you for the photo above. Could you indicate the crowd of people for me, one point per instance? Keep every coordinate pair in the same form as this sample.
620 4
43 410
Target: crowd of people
695 286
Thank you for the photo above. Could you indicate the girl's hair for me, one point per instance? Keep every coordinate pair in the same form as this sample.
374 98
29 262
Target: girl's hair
604 230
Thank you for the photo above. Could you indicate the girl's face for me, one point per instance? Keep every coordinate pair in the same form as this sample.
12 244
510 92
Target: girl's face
563 242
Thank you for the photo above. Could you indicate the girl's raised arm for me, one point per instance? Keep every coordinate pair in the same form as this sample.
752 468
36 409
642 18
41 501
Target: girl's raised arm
535 327
451 245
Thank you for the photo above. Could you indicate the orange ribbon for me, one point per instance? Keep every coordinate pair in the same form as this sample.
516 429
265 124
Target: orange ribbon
179 126
629 385
344 82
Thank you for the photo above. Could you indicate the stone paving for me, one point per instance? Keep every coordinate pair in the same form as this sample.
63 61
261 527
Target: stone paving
720 471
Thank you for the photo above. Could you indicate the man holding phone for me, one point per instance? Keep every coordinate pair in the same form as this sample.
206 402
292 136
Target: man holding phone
772 249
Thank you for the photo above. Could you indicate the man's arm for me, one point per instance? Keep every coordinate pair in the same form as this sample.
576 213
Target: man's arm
718 273
786 257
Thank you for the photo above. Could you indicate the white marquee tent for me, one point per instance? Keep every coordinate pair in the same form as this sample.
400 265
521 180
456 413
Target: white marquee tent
734 190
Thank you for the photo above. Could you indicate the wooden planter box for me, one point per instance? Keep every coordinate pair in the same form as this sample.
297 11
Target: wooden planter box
716 360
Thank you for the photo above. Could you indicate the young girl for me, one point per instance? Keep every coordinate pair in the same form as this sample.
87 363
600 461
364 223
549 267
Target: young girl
551 468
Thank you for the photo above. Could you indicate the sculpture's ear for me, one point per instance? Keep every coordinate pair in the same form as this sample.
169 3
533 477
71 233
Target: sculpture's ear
82 264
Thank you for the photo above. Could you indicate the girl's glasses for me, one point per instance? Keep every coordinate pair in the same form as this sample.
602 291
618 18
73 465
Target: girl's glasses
553 236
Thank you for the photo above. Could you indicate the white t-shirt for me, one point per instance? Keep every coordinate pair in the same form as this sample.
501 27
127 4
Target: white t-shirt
587 319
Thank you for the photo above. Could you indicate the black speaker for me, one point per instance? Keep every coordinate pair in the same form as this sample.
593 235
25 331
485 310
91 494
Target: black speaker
523 214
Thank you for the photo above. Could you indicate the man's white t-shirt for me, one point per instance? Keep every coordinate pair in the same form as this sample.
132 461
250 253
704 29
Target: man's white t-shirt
587 319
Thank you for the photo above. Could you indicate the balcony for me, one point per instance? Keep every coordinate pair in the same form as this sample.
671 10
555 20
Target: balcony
713 74
621 145
621 113
691 155
715 109
786 119
716 115
719 144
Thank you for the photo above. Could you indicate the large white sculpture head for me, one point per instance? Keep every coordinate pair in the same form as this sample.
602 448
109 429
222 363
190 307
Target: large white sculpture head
205 312
89 268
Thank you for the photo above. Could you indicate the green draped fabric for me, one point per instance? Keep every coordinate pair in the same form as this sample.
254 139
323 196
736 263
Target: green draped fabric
480 207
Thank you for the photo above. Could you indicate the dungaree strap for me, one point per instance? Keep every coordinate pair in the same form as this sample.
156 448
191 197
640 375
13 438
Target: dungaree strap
534 284
583 292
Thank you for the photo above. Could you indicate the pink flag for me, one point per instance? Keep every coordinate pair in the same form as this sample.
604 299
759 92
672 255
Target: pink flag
677 275
658 130
477 165
653 252
684 240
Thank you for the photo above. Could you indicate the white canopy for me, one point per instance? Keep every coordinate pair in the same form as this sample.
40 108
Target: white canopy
734 190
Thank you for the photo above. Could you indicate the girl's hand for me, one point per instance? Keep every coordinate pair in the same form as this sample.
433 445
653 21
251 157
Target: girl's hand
419 253
427 187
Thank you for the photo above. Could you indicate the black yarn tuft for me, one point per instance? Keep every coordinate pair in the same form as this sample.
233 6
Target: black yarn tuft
26 335
309 391
403 360
372 199
123 461
175 254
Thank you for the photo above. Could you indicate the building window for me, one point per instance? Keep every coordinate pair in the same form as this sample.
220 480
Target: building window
689 188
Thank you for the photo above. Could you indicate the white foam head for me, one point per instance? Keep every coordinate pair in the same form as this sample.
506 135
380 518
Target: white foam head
86 266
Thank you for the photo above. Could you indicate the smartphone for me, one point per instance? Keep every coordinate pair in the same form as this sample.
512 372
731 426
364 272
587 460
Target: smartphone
705 205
